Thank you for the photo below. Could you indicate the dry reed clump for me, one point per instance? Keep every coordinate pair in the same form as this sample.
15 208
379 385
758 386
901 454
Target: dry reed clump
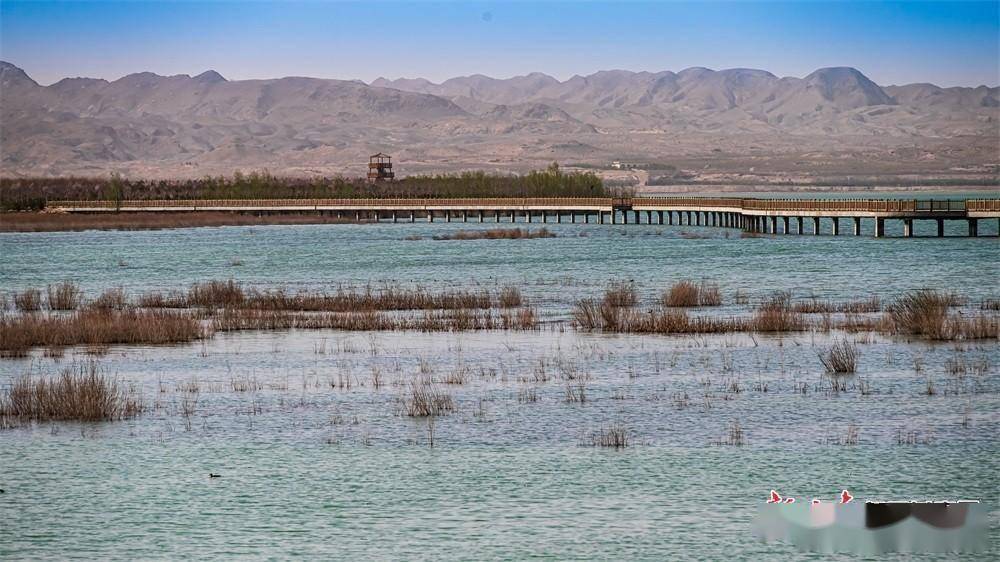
776 315
616 436
510 297
497 234
620 294
975 328
96 327
423 399
735 436
388 298
990 304
859 306
870 305
64 296
172 299
233 319
841 358
686 293
589 315
922 313
111 299
78 394
216 294
29 300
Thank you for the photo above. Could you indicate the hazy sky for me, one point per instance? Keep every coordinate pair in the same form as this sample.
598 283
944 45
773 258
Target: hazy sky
948 43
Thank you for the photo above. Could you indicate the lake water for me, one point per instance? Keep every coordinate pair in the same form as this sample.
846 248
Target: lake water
310 467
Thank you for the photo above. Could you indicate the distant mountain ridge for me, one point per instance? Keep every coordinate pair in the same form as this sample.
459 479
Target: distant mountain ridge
147 122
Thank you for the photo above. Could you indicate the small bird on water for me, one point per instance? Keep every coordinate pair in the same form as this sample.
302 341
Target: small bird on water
214 475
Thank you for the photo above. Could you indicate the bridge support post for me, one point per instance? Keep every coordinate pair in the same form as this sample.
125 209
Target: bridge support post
513 217
448 215
774 225
649 217
527 216
879 227
908 228
787 224
624 217
465 216
800 230
430 216
973 227
857 226
482 216
413 217
940 228
357 216
815 226
395 217
635 215
697 218
545 216
659 218
836 226
670 218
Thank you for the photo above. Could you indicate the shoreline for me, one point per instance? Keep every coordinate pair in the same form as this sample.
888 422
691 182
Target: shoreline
33 221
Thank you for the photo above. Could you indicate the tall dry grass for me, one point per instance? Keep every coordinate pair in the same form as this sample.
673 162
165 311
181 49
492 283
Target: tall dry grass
686 293
510 297
29 300
64 296
615 436
424 399
775 314
79 394
216 294
18 334
234 319
841 358
620 294
922 313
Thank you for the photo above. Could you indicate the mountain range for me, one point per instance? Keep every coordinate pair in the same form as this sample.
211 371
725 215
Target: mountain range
170 126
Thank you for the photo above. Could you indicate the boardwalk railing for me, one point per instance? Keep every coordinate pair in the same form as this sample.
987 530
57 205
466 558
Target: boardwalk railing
405 203
733 203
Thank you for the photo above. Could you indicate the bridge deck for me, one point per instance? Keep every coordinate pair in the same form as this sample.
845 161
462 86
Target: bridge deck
884 208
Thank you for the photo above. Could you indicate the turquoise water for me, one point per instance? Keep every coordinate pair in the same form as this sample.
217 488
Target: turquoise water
313 469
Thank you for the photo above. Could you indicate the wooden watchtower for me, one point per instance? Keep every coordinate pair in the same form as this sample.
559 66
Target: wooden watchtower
380 168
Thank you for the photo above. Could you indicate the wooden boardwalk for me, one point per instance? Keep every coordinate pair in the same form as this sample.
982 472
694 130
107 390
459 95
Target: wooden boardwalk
771 216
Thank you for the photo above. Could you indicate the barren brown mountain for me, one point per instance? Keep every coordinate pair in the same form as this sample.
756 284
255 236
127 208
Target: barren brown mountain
729 125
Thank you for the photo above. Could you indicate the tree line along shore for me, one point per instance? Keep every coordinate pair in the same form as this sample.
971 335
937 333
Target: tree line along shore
31 194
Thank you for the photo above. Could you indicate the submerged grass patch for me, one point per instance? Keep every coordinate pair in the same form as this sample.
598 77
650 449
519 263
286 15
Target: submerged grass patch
497 234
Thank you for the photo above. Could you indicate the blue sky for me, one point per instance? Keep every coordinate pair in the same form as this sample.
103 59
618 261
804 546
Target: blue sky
947 43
